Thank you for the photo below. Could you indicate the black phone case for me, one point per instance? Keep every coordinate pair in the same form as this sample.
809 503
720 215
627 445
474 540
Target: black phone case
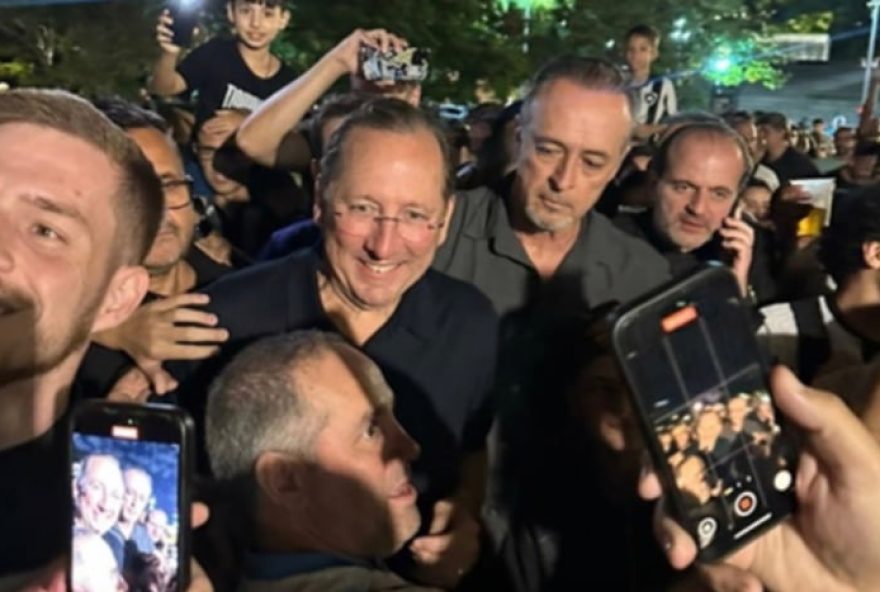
629 315
98 414
184 25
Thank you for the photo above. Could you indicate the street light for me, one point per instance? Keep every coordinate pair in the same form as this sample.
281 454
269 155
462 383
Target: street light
874 5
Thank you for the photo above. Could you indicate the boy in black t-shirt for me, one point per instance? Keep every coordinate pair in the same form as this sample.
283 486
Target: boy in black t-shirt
236 73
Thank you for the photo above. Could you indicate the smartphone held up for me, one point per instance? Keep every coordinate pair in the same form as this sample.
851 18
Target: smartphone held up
130 468
699 387
406 65
185 14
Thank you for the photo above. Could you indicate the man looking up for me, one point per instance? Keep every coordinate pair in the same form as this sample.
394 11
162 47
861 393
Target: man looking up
301 425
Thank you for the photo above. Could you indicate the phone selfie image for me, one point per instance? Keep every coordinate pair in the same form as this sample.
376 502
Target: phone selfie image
693 365
129 521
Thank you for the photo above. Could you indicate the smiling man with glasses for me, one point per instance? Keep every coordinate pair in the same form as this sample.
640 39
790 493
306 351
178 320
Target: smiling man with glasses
384 197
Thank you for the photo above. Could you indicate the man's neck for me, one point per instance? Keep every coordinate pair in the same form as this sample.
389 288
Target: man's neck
32 406
126 528
774 153
179 279
858 302
355 322
546 249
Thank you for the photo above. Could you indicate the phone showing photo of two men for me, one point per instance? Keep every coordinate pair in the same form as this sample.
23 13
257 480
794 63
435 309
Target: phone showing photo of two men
130 469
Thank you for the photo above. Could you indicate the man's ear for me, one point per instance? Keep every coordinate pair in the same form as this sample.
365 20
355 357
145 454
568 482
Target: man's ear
317 210
285 19
871 254
279 478
447 219
230 12
124 294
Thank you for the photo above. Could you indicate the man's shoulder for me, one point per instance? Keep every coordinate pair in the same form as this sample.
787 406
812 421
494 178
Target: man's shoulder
627 237
473 208
262 286
213 46
459 299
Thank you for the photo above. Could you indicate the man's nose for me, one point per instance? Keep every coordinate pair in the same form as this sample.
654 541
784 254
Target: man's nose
383 238
697 203
564 174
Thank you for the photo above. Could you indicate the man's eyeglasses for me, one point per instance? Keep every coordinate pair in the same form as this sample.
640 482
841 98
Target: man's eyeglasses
359 219
178 192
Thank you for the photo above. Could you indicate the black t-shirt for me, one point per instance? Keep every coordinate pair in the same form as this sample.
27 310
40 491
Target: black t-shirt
223 80
102 367
437 352
793 165
35 494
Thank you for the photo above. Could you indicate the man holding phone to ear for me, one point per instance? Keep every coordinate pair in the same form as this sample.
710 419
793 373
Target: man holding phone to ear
697 177
234 73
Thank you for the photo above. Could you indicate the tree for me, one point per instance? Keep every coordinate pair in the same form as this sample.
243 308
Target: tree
92 49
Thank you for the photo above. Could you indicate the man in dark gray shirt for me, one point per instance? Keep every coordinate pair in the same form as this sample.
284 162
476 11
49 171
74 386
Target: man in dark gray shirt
544 258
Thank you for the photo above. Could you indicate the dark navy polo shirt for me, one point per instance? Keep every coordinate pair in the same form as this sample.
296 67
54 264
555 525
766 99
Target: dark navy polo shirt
437 352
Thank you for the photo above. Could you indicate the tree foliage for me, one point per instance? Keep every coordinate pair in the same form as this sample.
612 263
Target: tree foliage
100 47
90 48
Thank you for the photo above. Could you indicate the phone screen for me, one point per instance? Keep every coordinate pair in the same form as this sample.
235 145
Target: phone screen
694 367
127 475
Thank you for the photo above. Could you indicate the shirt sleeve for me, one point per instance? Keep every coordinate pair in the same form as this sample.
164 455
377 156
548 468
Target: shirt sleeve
195 68
671 99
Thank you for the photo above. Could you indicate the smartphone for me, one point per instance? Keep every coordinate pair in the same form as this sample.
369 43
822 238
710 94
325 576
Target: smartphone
699 386
410 64
130 470
186 16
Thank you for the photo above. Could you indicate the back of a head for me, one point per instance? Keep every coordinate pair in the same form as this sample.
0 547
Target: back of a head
127 116
391 115
138 201
773 120
737 118
589 73
841 245
712 129
337 106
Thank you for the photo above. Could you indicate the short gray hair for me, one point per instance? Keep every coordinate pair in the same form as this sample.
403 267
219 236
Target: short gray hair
590 73
255 404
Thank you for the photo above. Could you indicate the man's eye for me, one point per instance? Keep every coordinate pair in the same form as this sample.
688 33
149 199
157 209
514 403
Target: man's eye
44 232
414 216
360 208
373 430
544 149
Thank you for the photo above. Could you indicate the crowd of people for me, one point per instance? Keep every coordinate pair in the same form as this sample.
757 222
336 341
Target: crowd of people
383 326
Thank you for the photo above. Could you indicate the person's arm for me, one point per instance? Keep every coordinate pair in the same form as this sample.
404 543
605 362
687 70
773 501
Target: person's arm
867 121
166 80
263 133
671 98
